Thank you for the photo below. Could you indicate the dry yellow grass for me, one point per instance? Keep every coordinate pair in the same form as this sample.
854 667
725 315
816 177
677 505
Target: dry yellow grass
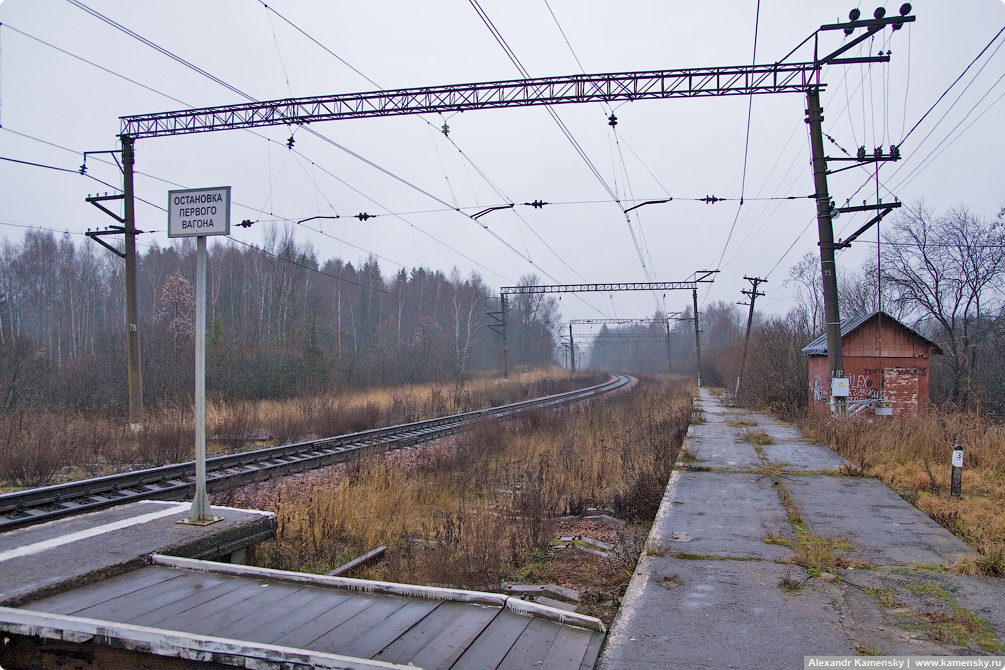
912 455
470 514
45 448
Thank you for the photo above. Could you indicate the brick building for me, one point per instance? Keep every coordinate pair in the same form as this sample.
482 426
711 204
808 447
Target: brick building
883 359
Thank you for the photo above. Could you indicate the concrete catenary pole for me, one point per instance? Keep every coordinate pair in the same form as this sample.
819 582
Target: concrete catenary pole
572 350
135 377
835 355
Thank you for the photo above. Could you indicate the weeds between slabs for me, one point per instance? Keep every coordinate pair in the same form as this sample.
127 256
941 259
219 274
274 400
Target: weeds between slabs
910 454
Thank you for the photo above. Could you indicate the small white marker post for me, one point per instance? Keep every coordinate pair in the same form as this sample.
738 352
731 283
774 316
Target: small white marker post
956 485
198 213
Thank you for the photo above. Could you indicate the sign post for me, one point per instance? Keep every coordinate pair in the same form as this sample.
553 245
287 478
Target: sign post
956 482
198 213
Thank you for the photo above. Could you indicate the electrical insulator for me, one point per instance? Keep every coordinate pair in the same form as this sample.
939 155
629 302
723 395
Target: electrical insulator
363 216
537 204
861 153
895 152
446 130
877 153
290 142
612 120
83 169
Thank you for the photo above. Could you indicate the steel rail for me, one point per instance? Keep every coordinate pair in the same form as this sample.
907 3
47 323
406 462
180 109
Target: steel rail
173 482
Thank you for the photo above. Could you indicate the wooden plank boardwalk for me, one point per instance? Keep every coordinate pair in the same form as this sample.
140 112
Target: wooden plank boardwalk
396 624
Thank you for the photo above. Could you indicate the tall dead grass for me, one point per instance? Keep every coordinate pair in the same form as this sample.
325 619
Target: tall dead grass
912 456
471 514
44 447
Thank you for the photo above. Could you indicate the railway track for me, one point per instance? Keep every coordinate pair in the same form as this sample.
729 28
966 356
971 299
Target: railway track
175 482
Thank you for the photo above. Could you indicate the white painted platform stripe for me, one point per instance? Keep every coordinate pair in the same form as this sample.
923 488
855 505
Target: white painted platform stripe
38 547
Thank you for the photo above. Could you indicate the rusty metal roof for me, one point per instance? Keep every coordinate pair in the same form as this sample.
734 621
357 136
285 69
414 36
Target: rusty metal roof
818 347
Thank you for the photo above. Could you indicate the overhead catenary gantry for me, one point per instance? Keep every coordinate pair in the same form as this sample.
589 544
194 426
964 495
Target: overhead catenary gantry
700 277
779 77
579 88
623 322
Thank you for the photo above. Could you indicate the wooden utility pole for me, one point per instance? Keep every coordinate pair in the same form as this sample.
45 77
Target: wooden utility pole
697 335
752 294
572 349
669 354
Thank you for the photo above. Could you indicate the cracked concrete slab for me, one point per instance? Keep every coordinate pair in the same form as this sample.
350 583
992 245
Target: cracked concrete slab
800 456
886 528
720 614
722 514
715 444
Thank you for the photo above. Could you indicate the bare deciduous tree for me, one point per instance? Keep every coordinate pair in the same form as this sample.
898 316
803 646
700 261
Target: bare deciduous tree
948 270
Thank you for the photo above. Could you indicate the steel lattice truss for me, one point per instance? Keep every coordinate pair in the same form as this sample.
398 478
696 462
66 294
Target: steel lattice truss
619 322
653 85
601 288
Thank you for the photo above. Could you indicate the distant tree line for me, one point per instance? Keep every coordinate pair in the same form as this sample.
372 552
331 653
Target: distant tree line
281 322
942 274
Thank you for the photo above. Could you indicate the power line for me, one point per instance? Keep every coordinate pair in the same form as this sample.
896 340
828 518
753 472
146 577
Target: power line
461 152
309 130
955 81
746 146
308 267
172 56
561 124
48 167
93 64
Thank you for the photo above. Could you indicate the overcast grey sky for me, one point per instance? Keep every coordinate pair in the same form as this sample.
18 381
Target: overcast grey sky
687 149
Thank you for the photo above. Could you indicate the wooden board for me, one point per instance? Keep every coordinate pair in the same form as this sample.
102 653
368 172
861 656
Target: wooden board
431 634
381 636
338 638
569 649
444 650
178 609
242 627
313 603
73 601
128 608
421 634
491 647
343 612
213 616
532 645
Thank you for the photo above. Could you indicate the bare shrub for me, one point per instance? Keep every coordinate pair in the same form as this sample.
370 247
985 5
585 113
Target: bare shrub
33 448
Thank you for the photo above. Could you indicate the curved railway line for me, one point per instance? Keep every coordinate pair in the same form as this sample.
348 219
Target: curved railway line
174 482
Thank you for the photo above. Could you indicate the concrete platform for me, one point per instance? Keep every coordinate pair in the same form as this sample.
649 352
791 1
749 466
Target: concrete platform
720 614
887 529
803 457
722 514
48 558
710 593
